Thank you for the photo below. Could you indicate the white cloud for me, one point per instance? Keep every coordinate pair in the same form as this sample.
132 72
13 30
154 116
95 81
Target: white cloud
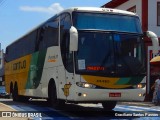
52 9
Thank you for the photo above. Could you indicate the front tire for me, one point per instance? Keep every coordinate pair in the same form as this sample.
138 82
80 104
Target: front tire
52 92
109 105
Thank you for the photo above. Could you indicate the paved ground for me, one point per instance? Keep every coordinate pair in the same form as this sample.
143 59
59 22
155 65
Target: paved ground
4 107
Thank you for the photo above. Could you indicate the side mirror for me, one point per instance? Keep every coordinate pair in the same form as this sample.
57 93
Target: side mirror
73 46
155 41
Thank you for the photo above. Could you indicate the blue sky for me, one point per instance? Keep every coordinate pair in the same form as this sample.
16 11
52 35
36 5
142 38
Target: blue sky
17 17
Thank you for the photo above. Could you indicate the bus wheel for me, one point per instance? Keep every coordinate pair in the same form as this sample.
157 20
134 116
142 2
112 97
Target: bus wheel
109 105
57 104
15 92
11 89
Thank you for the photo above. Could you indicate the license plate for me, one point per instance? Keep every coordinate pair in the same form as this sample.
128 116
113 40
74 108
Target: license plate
114 94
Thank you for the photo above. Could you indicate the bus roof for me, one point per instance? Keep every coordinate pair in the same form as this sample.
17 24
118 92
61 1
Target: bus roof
96 9
83 9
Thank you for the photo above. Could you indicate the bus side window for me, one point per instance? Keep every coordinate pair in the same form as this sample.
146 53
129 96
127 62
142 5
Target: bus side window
64 29
41 44
6 55
23 47
48 35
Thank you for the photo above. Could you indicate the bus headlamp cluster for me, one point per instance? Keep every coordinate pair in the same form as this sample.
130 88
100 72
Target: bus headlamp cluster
85 85
141 85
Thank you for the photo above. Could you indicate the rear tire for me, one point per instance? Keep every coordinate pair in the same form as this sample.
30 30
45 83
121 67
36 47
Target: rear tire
11 90
15 93
109 105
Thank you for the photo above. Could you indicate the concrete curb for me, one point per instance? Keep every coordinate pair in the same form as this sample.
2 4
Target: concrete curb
147 104
4 107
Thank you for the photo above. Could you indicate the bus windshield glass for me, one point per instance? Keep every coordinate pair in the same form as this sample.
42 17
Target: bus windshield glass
110 22
110 54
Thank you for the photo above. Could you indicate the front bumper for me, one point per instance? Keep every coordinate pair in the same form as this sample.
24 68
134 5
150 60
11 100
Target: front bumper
99 95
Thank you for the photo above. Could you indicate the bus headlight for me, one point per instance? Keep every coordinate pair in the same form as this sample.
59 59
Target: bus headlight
85 85
141 85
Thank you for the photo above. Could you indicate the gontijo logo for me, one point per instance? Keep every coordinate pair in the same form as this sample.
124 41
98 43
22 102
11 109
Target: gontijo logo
52 58
19 65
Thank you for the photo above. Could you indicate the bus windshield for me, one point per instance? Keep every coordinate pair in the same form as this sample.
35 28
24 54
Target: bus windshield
109 44
110 54
110 22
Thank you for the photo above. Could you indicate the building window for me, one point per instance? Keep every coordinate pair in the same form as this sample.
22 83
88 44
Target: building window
132 9
158 13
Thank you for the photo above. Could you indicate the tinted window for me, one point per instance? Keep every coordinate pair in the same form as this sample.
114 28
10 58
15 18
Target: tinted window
110 22
110 54
49 34
25 45
66 55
